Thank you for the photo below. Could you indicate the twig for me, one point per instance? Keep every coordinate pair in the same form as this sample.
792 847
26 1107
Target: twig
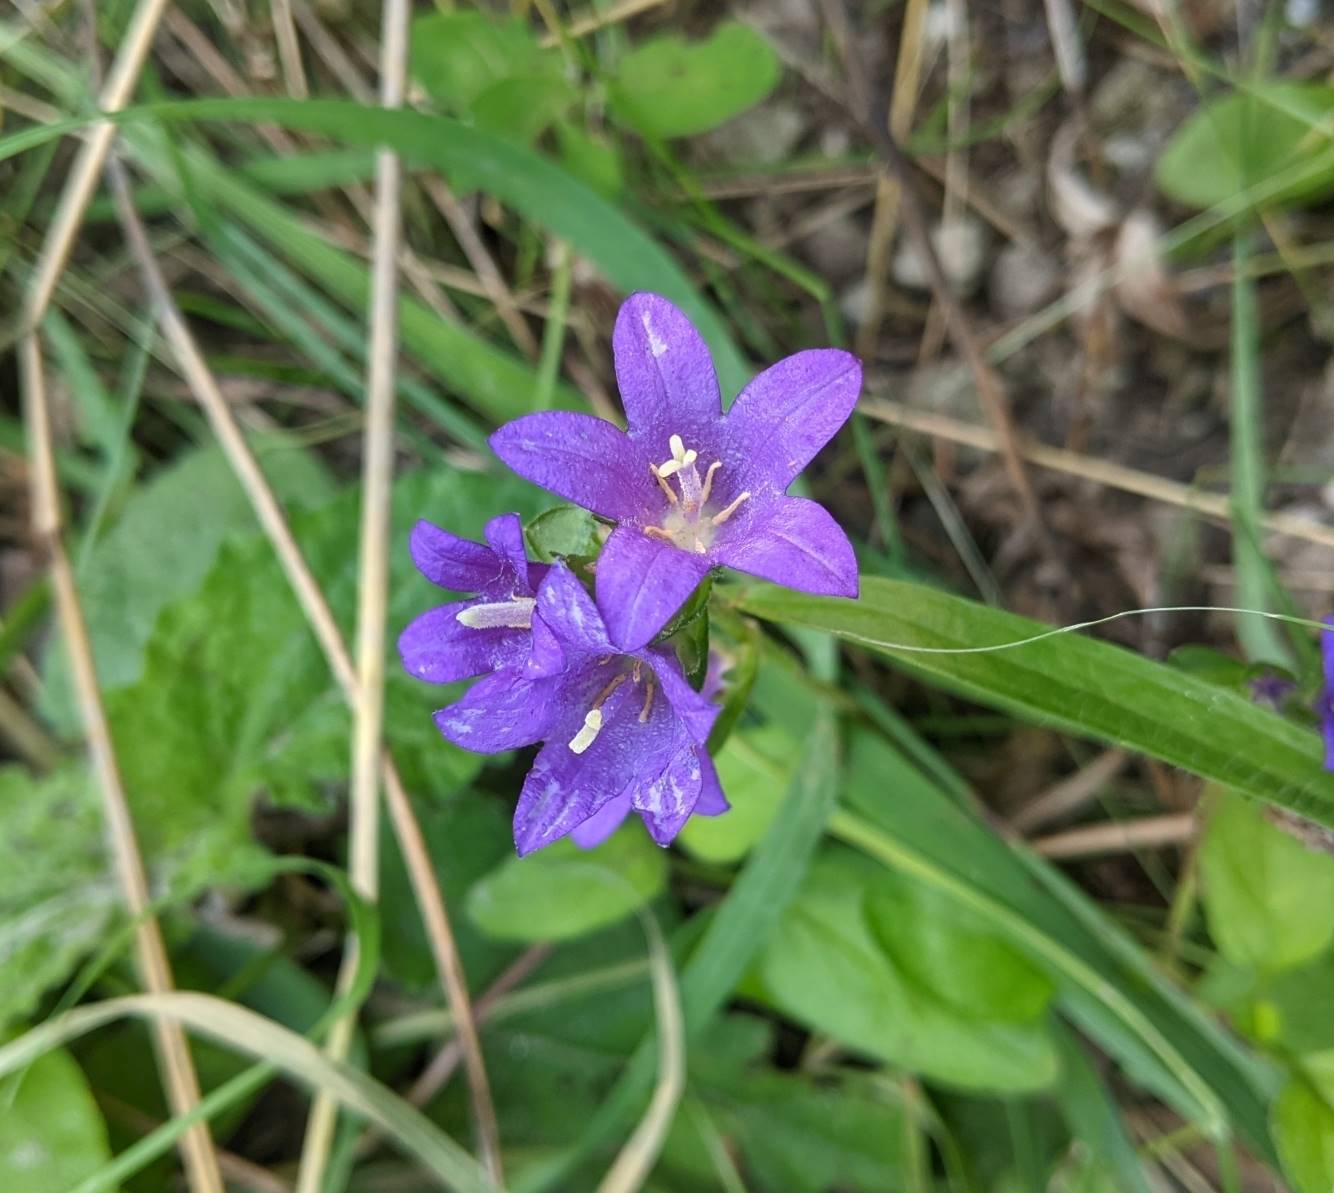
173 1054
289 48
154 968
1070 793
421 872
1149 833
987 382
1089 468
26 735
600 20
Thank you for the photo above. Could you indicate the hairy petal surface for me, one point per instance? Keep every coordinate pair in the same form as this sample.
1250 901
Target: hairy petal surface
504 535
581 458
790 411
665 374
641 582
794 542
666 802
436 648
503 711
570 614
696 710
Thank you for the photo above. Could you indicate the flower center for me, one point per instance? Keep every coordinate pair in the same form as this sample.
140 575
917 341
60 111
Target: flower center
686 524
594 719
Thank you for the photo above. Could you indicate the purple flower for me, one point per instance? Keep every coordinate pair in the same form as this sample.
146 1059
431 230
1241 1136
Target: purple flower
1325 705
623 731
690 487
491 629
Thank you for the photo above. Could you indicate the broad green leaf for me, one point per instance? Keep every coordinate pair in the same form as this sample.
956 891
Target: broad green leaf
1303 1125
830 969
590 157
160 548
51 1131
1239 140
1289 1008
457 56
57 892
671 87
563 531
1073 683
522 109
755 768
1269 899
563 891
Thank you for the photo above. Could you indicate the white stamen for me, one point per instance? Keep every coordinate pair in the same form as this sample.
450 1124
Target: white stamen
648 702
678 448
587 735
671 468
708 482
722 515
663 485
496 615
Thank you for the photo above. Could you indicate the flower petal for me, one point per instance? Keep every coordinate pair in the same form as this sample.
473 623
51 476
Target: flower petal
794 542
503 711
712 801
437 648
605 821
1325 708
790 411
570 614
667 802
545 656
641 582
581 458
665 374
452 562
504 535
696 710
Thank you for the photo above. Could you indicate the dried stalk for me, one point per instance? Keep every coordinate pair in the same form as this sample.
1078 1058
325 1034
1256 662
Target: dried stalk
421 873
1151 832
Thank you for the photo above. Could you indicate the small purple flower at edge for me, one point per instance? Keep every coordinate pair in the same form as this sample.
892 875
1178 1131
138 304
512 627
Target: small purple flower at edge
622 731
491 629
1325 704
690 487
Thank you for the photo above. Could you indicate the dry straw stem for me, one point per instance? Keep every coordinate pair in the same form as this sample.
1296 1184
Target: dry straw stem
1070 793
173 1054
1100 472
289 49
1152 832
377 475
421 872
988 384
601 20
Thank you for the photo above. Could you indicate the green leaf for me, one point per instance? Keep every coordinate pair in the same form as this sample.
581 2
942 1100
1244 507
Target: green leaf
51 1131
592 158
57 895
1269 899
523 109
829 969
1303 1124
563 891
1240 140
162 546
457 56
755 769
669 87
566 530
1073 683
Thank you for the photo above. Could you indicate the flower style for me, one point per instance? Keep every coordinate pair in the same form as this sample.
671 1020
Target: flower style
690 487
623 731
488 631
1325 705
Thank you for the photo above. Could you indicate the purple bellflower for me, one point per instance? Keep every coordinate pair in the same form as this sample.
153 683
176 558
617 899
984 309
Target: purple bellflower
1325 704
622 730
490 630
690 487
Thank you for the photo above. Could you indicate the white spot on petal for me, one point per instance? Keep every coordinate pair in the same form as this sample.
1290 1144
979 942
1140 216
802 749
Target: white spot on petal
656 344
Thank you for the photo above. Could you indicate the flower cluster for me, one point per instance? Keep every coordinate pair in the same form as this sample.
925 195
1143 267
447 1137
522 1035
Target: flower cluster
690 489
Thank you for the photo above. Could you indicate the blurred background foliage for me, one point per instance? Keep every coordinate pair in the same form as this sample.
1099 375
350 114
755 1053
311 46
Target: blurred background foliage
1058 917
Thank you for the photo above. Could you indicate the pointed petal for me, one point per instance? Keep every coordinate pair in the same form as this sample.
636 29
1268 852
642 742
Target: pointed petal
665 374
605 821
503 711
580 458
570 614
790 411
1326 705
666 803
437 648
452 562
794 542
712 801
545 656
641 582
504 535
696 711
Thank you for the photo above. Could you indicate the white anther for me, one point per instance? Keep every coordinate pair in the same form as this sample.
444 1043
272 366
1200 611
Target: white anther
587 735
497 615
678 448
